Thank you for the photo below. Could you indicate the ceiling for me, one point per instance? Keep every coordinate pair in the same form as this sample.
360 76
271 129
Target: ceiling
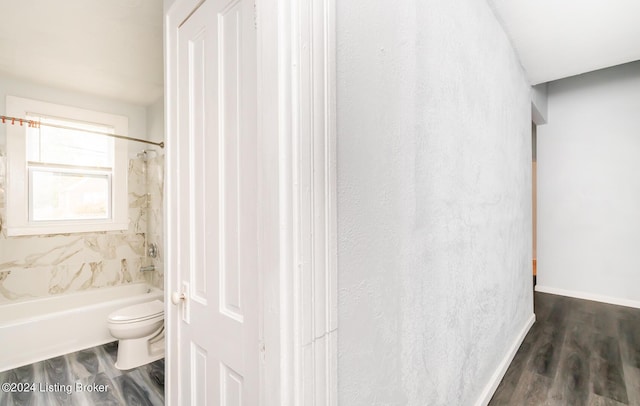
109 48
559 38
113 48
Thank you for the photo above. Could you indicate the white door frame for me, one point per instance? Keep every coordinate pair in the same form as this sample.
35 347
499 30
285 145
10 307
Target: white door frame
297 198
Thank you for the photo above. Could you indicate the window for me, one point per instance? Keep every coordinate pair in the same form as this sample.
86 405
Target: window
63 180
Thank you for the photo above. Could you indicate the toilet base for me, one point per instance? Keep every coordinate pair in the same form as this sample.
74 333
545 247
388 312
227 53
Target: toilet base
133 353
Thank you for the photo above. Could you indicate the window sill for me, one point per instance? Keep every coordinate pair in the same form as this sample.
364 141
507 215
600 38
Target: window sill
48 229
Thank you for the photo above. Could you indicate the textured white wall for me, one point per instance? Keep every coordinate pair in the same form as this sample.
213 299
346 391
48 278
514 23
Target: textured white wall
589 185
434 201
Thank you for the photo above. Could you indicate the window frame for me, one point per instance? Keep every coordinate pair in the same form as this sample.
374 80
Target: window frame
18 198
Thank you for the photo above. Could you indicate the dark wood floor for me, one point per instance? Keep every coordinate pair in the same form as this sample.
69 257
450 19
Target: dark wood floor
578 352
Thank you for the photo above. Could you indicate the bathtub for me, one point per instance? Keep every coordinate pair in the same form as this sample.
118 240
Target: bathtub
38 329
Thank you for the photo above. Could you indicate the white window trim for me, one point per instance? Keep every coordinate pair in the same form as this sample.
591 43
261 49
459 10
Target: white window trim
17 197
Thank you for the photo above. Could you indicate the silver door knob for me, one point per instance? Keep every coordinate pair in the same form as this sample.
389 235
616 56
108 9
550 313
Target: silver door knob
177 297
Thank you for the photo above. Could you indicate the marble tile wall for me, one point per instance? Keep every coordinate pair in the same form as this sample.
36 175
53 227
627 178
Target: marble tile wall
36 266
153 171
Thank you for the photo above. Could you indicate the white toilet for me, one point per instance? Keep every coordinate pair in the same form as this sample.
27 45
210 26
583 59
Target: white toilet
140 331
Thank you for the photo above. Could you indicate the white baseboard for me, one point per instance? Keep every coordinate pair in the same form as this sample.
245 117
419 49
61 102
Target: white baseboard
589 296
491 387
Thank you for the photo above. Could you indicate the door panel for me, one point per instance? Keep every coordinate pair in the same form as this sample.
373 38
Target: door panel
216 218
230 112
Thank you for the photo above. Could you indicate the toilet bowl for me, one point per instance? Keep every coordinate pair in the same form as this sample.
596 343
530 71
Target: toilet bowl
140 331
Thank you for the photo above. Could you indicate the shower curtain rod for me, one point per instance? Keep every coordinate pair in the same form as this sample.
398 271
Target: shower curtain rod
38 124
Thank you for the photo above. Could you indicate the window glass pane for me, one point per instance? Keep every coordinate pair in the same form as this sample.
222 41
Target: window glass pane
69 196
70 147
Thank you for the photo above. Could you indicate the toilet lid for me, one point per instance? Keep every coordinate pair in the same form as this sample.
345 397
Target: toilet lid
138 312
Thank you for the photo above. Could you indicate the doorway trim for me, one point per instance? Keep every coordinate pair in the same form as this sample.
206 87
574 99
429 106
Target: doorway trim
296 67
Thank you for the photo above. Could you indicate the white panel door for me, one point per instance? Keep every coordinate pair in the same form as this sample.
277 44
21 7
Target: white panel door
215 214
